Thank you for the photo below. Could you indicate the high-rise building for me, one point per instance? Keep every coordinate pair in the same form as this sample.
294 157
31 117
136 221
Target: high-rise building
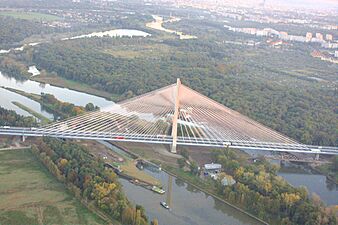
329 37
308 36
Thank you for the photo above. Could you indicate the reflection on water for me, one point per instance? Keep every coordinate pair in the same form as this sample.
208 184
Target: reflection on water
315 183
63 94
169 191
188 205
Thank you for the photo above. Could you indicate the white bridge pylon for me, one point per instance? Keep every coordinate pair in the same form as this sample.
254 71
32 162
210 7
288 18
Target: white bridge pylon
175 115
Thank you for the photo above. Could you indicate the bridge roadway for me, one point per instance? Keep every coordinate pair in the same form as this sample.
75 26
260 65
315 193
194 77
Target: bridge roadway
163 139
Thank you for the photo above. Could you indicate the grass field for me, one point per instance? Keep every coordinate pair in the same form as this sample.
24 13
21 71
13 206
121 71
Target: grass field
29 15
29 194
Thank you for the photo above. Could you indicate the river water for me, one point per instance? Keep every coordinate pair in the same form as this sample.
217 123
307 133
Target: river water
315 183
110 33
63 94
189 206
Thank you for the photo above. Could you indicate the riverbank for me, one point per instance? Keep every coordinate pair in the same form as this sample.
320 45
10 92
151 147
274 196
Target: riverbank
326 171
43 119
158 25
72 85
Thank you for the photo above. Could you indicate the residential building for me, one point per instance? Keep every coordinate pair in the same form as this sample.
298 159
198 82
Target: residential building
319 36
308 36
329 37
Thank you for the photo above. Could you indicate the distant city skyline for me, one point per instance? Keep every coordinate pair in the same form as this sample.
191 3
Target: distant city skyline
306 3
329 4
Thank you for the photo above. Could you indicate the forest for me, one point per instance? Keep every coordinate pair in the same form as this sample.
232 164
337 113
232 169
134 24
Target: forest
11 118
15 30
239 78
13 67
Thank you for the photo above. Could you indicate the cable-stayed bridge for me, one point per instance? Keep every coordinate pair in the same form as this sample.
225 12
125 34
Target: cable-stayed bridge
173 115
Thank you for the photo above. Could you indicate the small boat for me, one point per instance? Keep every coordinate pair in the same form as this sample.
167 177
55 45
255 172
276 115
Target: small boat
165 205
158 190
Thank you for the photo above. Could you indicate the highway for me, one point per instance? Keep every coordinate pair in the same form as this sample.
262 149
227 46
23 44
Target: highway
164 139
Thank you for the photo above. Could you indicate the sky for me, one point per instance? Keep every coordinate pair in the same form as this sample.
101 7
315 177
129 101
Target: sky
306 3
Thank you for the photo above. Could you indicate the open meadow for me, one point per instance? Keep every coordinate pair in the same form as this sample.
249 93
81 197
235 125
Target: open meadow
31 195
29 15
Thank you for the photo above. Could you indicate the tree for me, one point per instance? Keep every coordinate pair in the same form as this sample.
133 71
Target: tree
181 162
90 107
154 222
185 153
335 163
63 163
128 216
193 167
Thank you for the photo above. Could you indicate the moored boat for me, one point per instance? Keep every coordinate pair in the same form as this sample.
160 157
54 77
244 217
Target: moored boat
158 190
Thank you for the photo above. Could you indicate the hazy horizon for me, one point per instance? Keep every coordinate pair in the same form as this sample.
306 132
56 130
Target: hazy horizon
306 3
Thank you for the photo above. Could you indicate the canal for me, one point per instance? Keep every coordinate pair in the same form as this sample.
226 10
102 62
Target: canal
189 205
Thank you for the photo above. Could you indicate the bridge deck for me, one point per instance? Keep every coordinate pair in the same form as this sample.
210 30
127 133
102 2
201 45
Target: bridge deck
161 139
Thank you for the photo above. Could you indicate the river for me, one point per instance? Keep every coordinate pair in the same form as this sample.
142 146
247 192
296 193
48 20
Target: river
109 33
315 183
190 206
63 94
